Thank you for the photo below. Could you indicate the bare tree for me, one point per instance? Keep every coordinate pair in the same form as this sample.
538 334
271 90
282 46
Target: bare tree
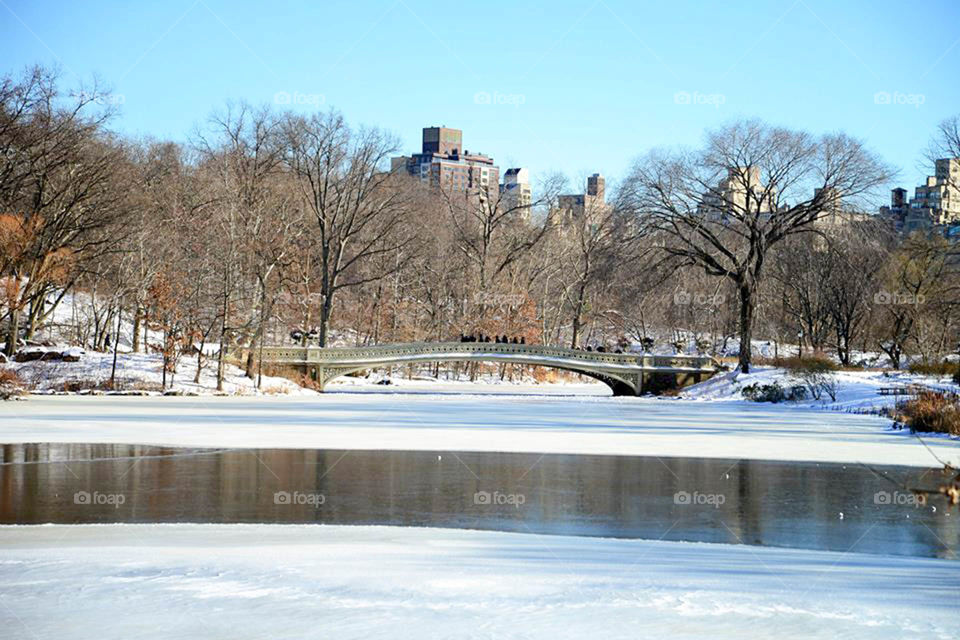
244 156
359 206
859 252
724 206
58 186
494 230
593 262
914 279
802 266
946 144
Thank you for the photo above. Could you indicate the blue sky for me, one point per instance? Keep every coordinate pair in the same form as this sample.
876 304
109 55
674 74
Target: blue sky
571 86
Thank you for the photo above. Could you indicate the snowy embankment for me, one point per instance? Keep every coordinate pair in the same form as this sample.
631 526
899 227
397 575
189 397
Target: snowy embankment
541 423
856 390
74 317
141 372
274 581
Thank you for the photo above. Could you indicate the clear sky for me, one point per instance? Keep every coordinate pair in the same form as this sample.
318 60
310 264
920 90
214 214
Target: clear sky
576 87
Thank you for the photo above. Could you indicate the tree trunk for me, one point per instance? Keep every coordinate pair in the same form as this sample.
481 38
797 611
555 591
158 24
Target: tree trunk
13 332
248 369
146 332
221 352
137 316
325 310
747 308
36 308
163 382
264 316
116 345
196 377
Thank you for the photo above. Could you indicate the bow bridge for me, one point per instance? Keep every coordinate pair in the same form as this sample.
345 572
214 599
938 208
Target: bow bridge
625 373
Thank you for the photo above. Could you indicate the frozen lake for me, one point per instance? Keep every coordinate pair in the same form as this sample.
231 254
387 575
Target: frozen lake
526 420
823 506
523 494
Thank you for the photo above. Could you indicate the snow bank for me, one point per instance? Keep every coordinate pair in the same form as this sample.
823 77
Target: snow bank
271 581
140 371
857 390
553 421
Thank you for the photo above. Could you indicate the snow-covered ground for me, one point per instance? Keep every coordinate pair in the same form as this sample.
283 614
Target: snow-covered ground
275 581
140 371
559 421
857 390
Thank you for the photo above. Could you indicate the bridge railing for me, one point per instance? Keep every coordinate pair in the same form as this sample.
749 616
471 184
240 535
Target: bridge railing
359 355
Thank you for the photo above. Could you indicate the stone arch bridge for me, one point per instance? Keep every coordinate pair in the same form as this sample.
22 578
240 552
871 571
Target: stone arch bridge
627 374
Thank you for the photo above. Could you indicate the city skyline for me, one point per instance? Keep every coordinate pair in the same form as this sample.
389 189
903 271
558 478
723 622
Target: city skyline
583 90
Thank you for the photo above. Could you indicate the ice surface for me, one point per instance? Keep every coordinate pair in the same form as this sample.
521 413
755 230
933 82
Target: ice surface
273 581
477 422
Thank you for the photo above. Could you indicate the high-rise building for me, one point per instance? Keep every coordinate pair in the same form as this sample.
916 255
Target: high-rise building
730 195
516 192
592 204
443 162
595 186
935 204
899 207
834 216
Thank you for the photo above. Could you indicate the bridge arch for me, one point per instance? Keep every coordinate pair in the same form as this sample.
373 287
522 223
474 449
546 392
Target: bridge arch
624 373
620 385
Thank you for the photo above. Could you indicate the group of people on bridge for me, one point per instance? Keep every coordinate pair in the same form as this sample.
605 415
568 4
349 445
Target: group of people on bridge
521 340
599 349
496 339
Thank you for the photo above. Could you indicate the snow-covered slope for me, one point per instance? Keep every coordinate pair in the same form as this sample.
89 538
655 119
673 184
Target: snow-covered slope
857 390
272 581
139 371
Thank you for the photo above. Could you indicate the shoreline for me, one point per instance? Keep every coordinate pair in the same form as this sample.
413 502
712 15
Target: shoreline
493 422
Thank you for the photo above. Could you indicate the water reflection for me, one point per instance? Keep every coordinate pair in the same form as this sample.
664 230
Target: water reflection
806 505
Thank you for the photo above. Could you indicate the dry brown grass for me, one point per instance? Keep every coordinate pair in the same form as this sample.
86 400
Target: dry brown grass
11 384
818 362
932 411
545 375
76 385
9 376
938 369
305 381
275 390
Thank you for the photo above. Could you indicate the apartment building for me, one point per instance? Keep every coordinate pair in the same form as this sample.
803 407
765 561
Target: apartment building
443 161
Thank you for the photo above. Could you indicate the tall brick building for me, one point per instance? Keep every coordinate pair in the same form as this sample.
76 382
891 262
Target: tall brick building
443 161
